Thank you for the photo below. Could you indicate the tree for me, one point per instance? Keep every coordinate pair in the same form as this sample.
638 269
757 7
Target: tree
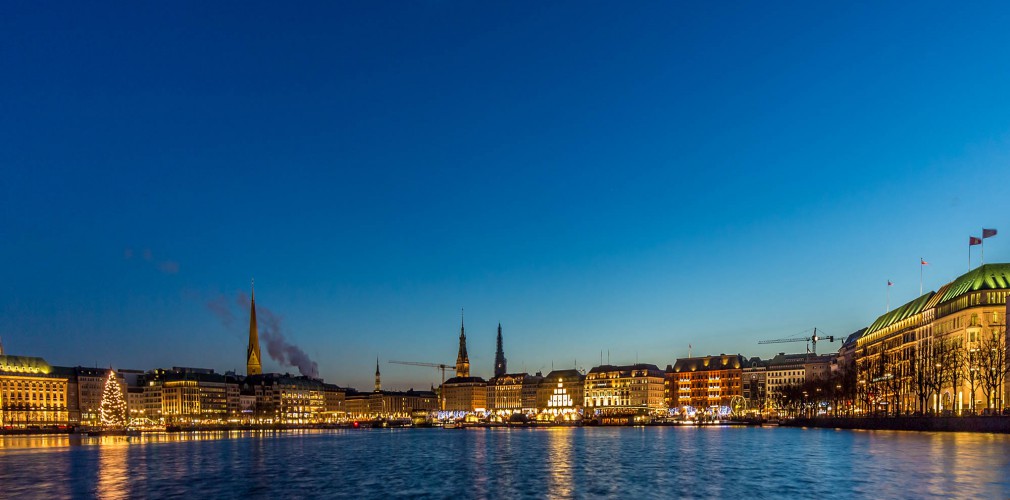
993 366
113 408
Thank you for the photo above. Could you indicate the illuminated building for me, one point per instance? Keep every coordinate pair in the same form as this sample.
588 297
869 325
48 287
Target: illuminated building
784 370
357 404
624 389
87 386
285 399
333 402
561 393
512 393
253 361
704 383
922 336
754 384
462 360
531 385
32 394
193 395
464 393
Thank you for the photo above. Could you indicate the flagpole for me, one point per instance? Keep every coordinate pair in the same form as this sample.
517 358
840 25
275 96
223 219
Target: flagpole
889 296
983 247
920 276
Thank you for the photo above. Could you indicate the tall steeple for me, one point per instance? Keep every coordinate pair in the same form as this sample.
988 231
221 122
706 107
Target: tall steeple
499 357
252 364
462 360
378 383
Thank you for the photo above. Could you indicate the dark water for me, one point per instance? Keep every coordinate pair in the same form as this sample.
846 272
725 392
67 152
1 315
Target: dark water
658 462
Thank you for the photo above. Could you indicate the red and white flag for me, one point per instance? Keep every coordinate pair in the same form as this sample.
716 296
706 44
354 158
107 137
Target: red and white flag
972 241
923 262
986 233
889 283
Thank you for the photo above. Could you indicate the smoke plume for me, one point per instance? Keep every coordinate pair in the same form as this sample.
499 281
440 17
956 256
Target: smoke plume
271 331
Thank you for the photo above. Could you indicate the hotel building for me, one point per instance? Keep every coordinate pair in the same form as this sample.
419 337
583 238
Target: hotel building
561 394
624 389
965 315
704 382
32 394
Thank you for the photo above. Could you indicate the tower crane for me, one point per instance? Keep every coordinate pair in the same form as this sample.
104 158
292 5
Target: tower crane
811 339
438 366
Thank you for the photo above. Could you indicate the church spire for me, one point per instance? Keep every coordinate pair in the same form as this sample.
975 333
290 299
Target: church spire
253 365
462 360
499 357
378 382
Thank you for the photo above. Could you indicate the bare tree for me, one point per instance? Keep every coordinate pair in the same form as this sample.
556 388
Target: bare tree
993 366
972 374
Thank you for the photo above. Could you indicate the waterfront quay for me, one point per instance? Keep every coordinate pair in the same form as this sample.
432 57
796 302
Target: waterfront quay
939 358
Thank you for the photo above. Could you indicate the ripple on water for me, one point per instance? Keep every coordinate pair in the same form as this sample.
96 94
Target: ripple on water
512 463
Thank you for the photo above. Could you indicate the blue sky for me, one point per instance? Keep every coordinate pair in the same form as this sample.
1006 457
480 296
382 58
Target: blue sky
631 179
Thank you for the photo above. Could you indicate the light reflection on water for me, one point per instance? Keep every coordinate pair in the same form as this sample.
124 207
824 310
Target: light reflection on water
531 463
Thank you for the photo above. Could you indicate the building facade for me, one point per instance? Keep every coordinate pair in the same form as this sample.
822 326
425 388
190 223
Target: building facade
704 383
562 393
32 394
931 354
624 389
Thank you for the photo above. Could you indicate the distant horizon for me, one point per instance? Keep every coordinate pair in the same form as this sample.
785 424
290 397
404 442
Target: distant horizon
631 179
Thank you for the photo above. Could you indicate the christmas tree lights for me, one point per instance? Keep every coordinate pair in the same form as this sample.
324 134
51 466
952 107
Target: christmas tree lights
113 409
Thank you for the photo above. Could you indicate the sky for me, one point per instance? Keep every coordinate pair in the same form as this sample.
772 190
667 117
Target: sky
606 181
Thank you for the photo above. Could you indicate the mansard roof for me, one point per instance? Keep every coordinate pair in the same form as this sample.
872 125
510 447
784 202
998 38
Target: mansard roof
705 363
986 277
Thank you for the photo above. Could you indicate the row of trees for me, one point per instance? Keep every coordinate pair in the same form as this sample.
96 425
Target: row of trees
921 378
916 378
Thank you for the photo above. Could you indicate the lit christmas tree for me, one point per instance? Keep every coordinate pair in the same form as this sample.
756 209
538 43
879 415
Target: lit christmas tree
113 409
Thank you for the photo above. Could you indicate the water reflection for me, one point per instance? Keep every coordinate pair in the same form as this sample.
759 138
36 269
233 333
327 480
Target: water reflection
559 460
112 477
510 463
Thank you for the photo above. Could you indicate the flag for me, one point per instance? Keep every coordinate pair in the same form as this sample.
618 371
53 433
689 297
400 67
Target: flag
986 233
923 262
974 241
889 283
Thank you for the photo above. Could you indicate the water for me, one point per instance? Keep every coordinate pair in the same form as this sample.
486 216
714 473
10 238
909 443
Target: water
620 462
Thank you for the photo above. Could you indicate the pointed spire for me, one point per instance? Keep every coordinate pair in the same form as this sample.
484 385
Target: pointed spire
378 380
253 365
500 366
462 359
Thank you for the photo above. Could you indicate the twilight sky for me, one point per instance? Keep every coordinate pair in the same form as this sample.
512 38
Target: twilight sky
596 177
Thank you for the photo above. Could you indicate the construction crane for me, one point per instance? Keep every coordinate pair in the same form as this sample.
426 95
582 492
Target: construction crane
811 339
439 366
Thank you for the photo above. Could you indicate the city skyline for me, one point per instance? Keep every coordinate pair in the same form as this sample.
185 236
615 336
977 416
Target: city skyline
655 177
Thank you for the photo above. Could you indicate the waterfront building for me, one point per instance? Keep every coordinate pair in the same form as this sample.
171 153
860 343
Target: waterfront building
510 393
197 396
465 394
621 390
704 383
333 403
819 367
253 364
561 395
753 384
32 393
785 370
88 386
531 385
951 335
357 405
286 399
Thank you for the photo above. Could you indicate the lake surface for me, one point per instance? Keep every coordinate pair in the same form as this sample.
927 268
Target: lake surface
625 462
